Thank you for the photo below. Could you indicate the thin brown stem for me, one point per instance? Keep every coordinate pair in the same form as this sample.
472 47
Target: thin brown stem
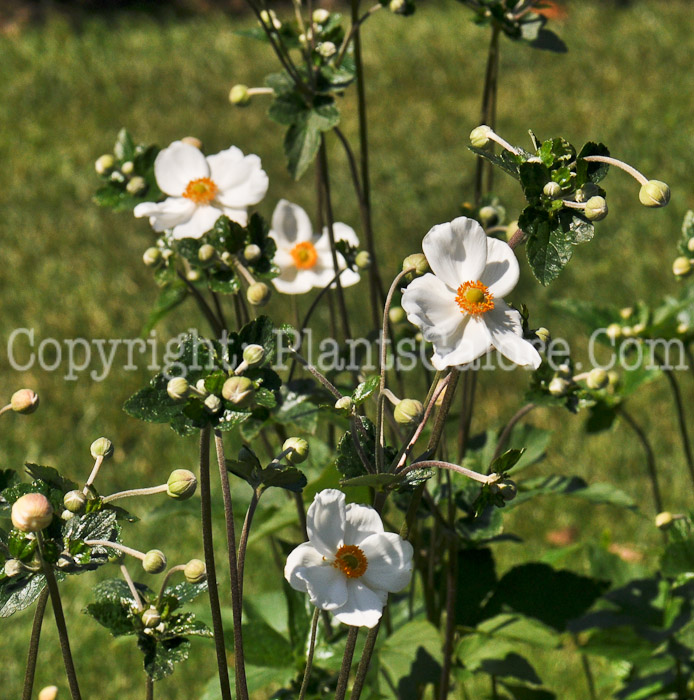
343 678
204 306
149 688
30 671
243 539
309 657
681 419
364 662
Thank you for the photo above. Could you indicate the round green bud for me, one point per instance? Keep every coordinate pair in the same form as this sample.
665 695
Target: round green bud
690 245
626 313
117 176
195 571
564 370
544 335
479 136
613 331
200 386
681 267
597 379
298 450
558 386
408 412
258 294
74 501
13 567
67 515
398 7
596 208
239 391
178 388
683 328
627 331
583 194
613 378
396 314
128 168
326 49
363 260
664 520
238 95
507 489
151 617
252 253
416 261
192 141
213 403
50 692
320 16
181 484
489 216
104 164
253 354
32 512
552 190
206 253
344 403
193 275
654 194
101 447
152 257
137 185
154 561
24 401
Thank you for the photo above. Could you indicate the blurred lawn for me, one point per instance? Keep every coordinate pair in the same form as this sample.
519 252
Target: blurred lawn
71 270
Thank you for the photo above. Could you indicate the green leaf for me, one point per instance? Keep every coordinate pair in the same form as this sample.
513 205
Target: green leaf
160 657
591 172
298 619
505 160
533 176
296 407
124 148
506 461
51 476
380 482
289 478
366 389
517 628
347 461
476 578
547 40
184 592
117 619
20 592
678 558
303 138
171 295
263 645
224 282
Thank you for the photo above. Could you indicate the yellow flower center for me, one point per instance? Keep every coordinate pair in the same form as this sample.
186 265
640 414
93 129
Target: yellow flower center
474 298
305 255
201 191
351 561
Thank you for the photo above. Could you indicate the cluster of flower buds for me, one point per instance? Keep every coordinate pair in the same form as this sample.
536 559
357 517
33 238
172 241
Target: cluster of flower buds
123 172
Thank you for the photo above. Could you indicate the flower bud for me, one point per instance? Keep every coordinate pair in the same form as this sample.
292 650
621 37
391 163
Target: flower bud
417 261
181 484
128 168
137 185
507 489
193 141
626 313
544 335
151 617
489 216
74 501
193 275
238 95
24 401
396 314
627 331
583 194
258 294
200 386
654 194
558 386
596 208
408 412
664 520
597 379
479 137
252 253
363 260
270 17
398 7
683 328
613 378
178 388
564 370
67 515
613 331
681 267
50 692
213 403
344 403
195 571
152 257
206 253
552 190
117 176
101 447
154 561
638 328
690 245
298 450
320 16
32 512
13 567
104 164
326 49
253 354
239 391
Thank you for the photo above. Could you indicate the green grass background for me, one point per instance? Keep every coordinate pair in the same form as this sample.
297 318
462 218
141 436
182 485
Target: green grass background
71 270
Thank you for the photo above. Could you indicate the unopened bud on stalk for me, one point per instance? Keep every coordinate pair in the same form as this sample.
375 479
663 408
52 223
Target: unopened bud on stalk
13 567
326 49
417 261
151 617
683 328
397 7
552 190
298 450
193 275
597 378
690 245
270 17
137 185
178 388
128 168
252 253
363 260
213 403
117 176
258 294
74 501
613 378
489 216
626 313
544 335
104 164
320 16
613 331
638 328
654 194
24 401
558 386
596 208
152 257
583 194
664 520
154 561
239 391
32 512
101 447
206 253
681 267
344 403
396 314
507 489
195 571
408 412
50 692
479 137
192 141
181 484
238 95
253 354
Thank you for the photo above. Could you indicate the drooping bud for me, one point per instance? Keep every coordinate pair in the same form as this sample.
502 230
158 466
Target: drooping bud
258 294
544 335
408 412
104 164
479 136
13 567
681 267
195 571
654 194
298 450
613 331
239 391
178 388
24 401
101 447
363 260
597 379
252 253
664 520
32 512
507 489
193 141
321 16
238 95
74 501
206 253
137 185
253 354
181 484
344 403
683 328
152 257
398 7
558 386
552 190
128 168
154 561
596 208
151 617
417 261
50 692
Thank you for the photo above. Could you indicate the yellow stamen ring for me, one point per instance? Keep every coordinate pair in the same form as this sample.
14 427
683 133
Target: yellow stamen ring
474 298
201 191
305 255
351 560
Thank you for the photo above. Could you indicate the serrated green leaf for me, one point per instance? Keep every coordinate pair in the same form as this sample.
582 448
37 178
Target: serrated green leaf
117 619
303 137
591 172
376 481
51 476
348 462
289 478
366 389
224 282
506 161
160 657
20 592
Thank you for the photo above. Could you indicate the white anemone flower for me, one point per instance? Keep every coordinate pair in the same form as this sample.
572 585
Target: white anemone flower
460 308
304 258
349 564
200 189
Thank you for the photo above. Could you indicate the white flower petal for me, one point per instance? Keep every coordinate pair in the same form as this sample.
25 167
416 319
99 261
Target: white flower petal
302 557
325 521
471 341
389 562
362 522
240 216
293 282
326 586
363 607
506 332
501 274
456 251
341 231
227 168
177 165
290 224
247 185
167 214
203 220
